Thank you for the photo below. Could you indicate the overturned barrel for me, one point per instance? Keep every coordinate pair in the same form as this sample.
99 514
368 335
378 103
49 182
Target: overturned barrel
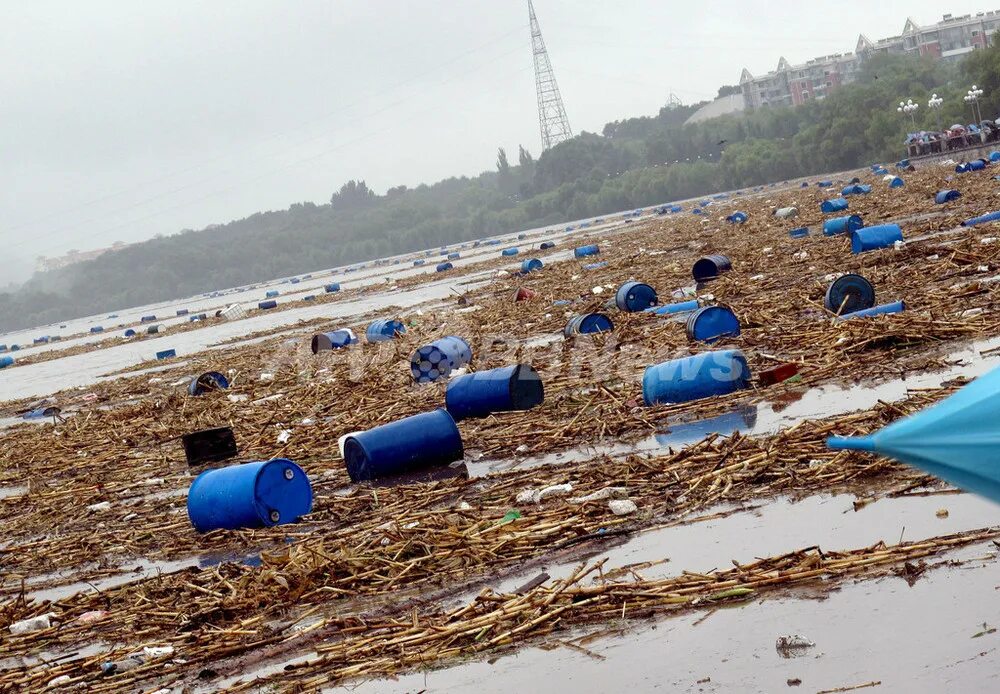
530 265
97 329
799 233
849 293
384 329
842 225
251 495
147 319
668 309
834 205
182 312
596 266
737 217
635 296
269 304
584 251
6 361
406 445
506 389
509 251
943 196
896 182
332 287
166 354
333 340
154 329
587 323
894 307
693 378
710 266
545 245
872 238
130 333
209 445
786 212
271 294
454 256
443 267
439 359
710 323
207 382
418 262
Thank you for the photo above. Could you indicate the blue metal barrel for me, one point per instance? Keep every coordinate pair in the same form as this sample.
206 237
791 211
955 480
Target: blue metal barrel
584 251
265 305
384 329
982 219
443 267
207 382
894 307
943 196
454 256
406 445
692 378
251 495
871 238
509 251
710 267
97 329
332 287
668 309
588 323
270 294
834 205
710 323
6 361
333 340
799 233
635 296
166 354
530 265
849 293
439 359
506 389
842 225
545 245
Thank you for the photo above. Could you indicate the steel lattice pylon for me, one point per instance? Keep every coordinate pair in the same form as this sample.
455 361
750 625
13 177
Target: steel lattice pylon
551 114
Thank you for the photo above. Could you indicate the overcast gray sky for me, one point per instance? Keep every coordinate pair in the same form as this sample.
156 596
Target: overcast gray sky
121 120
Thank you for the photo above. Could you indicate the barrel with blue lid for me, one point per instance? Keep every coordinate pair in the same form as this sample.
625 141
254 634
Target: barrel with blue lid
873 238
711 323
406 445
252 495
505 389
336 339
693 378
207 382
849 293
384 329
710 266
588 323
443 267
584 251
269 304
439 358
842 225
530 265
834 205
635 296
509 251
947 195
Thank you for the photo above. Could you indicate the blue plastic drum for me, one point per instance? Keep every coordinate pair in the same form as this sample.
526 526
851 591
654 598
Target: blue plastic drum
506 389
384 329
406 445
588 323
439 359
252 495
635 296
848 294
697 377
711 323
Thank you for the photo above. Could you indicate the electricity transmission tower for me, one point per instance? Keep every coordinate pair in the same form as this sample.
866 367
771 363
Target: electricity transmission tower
551 114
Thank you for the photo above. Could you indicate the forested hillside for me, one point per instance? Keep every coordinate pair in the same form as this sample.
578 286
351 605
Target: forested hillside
631 163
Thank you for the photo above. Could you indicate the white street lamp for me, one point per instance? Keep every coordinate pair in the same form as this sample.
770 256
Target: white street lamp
909 108
934 104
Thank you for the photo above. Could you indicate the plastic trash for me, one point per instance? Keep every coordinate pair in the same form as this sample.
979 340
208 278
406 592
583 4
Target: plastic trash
692 378
545 245
26 626
982 219
737 217
622 507
384 329
505 389
834 205
335 286
635 296
333 340
443 267
115 667
943 196
209 445
777 374
894 307
584 251
266 305
208 381
252 495
711 323
710 266
530 265
799 233
509 251
873 238
669 309
786 212
842 225
596 266
406 445
588 323
166 354
439 358
6 361
849 293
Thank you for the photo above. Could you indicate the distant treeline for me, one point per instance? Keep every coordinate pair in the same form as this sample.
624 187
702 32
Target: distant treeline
632 163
